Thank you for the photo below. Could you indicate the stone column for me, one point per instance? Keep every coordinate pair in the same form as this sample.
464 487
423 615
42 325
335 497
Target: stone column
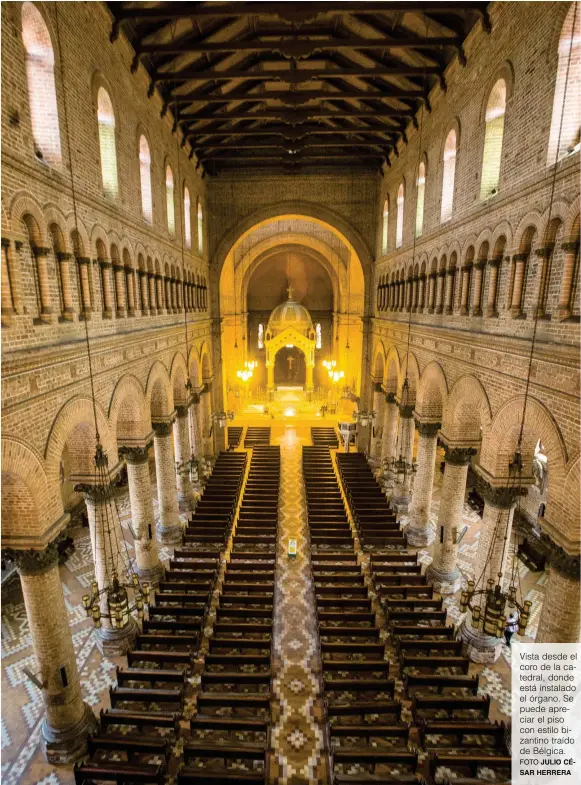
450 275
147 564
169 527
415 291
13 272
206 424
152 294
431 291
402 492
84 264
195 427
422 294
478 276
159 293
65 276
516 304
570 254
68 720
440 291
390 422
143 292
109 555
106 286
375 442
119 271
494 265
491 559
40 255
443 571
544 256
409 293
183 453
420 532
464 295
559 622
6 288
130 291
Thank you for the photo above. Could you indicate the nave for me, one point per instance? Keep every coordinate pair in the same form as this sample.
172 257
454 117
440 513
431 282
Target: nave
287 648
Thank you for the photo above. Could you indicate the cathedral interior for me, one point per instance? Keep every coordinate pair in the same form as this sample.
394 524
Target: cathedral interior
290 385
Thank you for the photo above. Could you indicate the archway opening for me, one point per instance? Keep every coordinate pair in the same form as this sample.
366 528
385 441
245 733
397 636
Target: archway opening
290 368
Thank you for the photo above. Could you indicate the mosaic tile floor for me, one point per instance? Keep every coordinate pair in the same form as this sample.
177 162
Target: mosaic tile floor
297 734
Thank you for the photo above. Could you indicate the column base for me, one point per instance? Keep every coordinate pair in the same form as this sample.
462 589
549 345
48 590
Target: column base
400 502
150 574
169 534
444 582
479 647
68 745
420 535
116 643
187 499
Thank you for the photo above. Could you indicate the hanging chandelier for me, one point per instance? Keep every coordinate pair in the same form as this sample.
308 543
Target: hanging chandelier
401 467
112 600
246 373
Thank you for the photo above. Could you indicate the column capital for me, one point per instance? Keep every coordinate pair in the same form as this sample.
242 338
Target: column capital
5 242
32 562
496 262
501 497
64 256
104 263
406 412
433 275
40 250
135 454
390 397
441 273
480 265
163 427
522 256
467 266
571 246
118 267
544 252
96 493
458 456
83 260
428 429
377 387
561 561
450 271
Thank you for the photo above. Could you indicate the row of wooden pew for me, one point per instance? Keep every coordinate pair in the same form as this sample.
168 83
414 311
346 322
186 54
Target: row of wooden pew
234 435
375 520
229 736
256 436
325 437
328 522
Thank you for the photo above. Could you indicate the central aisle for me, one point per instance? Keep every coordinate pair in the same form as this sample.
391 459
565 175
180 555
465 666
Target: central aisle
297 736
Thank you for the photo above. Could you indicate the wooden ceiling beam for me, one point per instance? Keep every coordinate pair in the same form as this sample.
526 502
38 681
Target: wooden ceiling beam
295 97
294 76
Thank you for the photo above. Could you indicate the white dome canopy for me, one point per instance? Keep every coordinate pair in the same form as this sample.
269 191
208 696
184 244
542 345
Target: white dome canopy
290 314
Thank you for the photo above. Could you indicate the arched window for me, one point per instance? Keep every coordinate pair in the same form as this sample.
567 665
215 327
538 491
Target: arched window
41 87
200 219
399 221
448 178
421 186
385 227
318 337
169 200
567 100
261 336
145 177
187 218
493 134
106 121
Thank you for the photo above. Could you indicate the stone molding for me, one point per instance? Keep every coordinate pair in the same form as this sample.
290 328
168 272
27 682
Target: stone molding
458 456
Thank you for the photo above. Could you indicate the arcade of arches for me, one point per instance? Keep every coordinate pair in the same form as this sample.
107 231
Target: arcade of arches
208 294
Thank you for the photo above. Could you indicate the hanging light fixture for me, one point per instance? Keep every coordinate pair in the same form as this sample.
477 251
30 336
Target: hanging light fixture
121 593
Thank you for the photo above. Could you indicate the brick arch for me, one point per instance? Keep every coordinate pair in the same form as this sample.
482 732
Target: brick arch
485 236
79 227
205 362
432 392
6 223
23 205
378 362
30 504
129 417
53 216
179 375
193 366
532 219
565 506
571 228
470 241
500 441
74 426
98 234
466 413
392 371
503 229
159 393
